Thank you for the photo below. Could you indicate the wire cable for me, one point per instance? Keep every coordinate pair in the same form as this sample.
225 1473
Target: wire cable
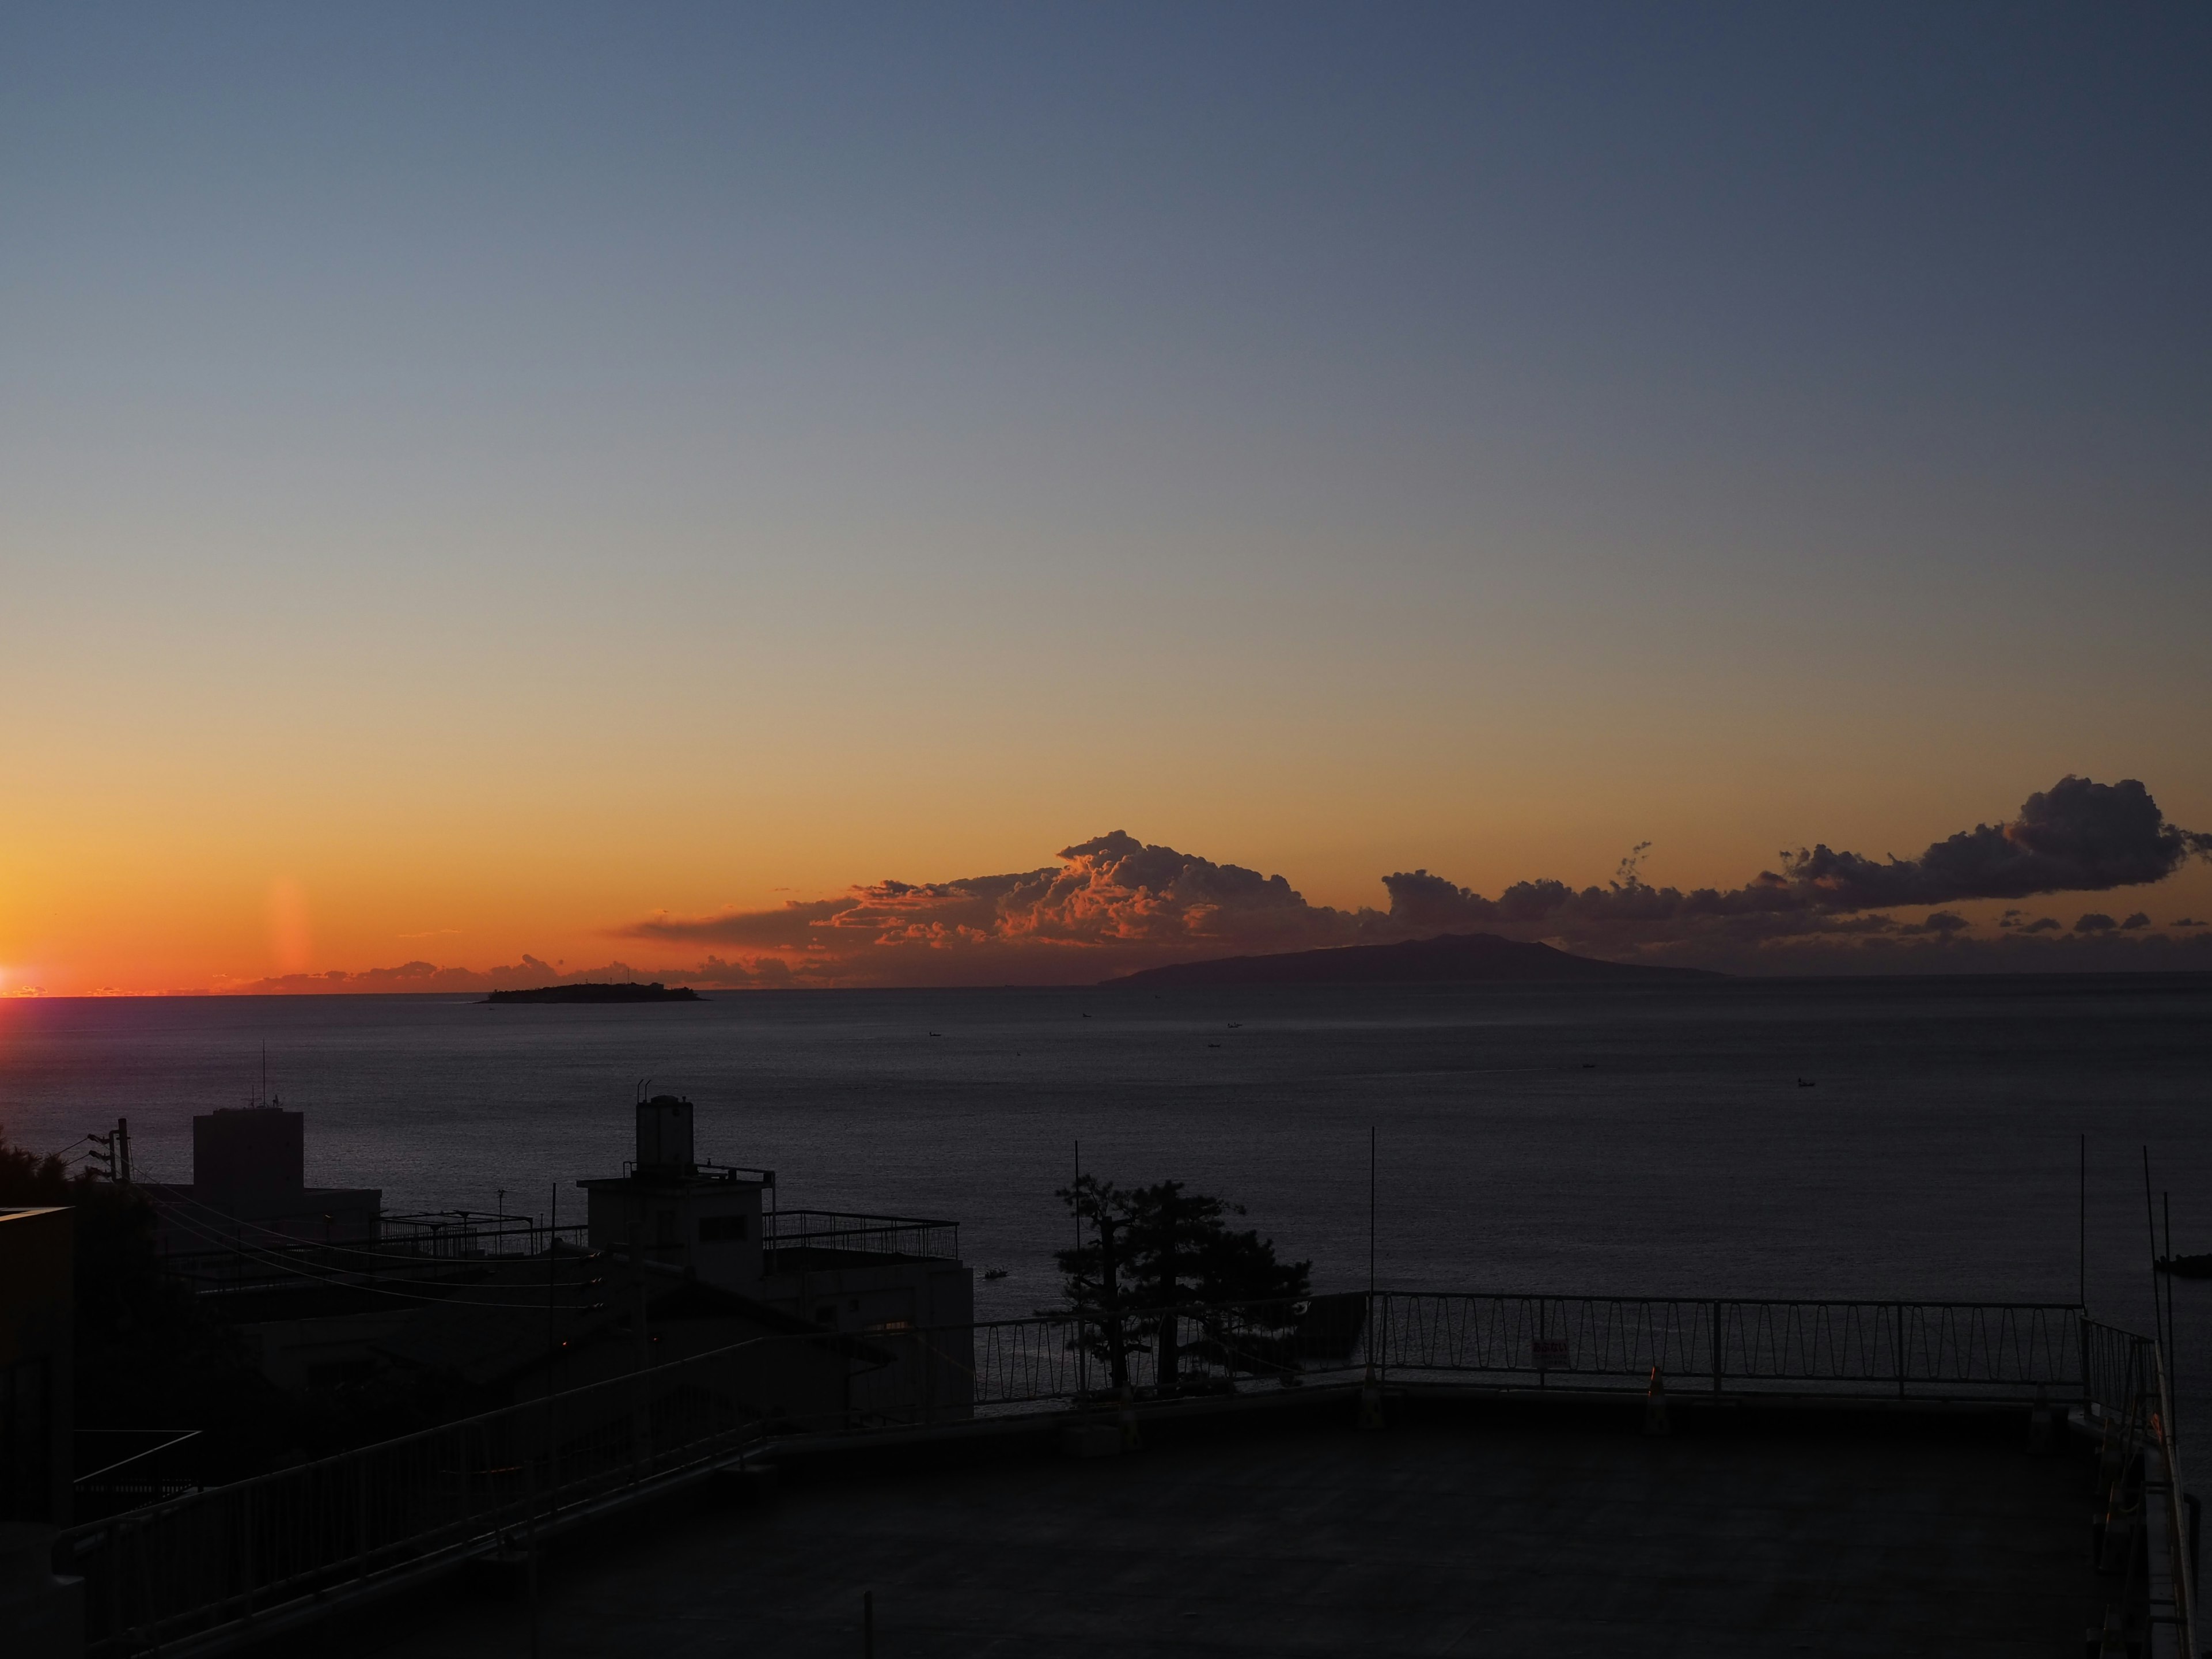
172 1196
456 1295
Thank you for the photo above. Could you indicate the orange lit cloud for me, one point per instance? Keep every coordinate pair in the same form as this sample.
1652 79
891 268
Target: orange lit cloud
1113 904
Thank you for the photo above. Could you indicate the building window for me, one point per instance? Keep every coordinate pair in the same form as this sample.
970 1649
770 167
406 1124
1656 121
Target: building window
720 1229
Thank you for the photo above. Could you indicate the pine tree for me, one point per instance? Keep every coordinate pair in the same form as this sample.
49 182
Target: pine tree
1161 1255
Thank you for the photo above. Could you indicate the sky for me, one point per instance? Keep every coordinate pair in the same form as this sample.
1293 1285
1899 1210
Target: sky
518 490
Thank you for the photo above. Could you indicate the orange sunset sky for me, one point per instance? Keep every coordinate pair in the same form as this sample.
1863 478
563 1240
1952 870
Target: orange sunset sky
551 495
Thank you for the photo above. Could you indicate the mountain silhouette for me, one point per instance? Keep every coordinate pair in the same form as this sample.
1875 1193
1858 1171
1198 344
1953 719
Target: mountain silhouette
1447 958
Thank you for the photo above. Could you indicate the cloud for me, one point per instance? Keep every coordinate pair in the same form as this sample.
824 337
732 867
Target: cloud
1113 904
424 976
2076 836
1944 923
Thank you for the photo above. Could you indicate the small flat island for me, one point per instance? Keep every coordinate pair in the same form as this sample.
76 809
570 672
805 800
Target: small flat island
588 991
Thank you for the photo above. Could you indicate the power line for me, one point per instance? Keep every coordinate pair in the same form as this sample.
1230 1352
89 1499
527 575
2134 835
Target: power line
457 1297
289 1240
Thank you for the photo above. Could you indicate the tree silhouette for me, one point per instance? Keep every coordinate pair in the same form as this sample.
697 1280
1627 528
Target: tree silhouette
1159 1255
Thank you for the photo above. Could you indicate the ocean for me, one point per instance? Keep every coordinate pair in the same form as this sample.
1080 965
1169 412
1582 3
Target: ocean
1840 1138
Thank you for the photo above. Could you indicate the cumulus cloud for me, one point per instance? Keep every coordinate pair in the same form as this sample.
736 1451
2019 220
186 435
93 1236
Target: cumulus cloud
1113 904
2076 836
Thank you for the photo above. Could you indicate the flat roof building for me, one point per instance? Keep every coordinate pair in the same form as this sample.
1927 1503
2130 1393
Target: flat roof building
249 1180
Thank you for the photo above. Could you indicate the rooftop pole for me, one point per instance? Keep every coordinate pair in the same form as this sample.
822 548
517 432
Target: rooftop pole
2150 1226
1370 1216
1370 1393
2172 1338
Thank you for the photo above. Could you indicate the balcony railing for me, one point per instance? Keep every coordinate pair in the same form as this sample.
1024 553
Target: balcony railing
874 1235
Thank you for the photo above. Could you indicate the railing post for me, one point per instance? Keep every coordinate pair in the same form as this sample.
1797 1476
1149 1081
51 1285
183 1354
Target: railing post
245 1517
2081 1337
926 1353
1900 1316
641 1425
115 1580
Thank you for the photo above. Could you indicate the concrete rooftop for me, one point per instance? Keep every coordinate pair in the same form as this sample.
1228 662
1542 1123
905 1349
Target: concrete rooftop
1499 1529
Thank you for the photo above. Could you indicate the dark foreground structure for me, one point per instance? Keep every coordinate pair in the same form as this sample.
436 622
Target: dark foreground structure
1501 1527
1393 1474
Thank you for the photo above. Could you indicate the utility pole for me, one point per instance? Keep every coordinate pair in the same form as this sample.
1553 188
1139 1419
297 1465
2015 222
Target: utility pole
641 1408
1371 1390
113 1151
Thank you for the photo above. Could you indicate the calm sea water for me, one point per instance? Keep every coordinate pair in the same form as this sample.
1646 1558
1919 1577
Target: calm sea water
1649 1140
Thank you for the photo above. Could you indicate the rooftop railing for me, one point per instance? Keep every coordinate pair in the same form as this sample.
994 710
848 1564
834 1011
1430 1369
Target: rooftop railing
233 1555
254 1260
2147 1532
875 1235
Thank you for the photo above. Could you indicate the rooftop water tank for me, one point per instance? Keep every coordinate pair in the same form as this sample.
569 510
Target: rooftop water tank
664 1136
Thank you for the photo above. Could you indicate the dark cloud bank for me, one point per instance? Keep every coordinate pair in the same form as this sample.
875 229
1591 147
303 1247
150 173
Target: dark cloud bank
2078 836
1113 904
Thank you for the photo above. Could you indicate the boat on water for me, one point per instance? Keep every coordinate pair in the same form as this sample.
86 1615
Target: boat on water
2186 1266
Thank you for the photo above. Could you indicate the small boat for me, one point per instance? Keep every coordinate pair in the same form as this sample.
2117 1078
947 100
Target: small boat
2186 1266
996 1273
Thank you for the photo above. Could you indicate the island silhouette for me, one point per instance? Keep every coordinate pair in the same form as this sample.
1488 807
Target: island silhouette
600 991
1445 958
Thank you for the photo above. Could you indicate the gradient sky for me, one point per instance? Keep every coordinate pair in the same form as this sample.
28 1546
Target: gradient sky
478 477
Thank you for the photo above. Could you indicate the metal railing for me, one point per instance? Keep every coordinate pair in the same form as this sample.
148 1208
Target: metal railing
2146 1536
133 1468
230 1554
1866 1349
874 1235
1905 1350
432 1254
469 1234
